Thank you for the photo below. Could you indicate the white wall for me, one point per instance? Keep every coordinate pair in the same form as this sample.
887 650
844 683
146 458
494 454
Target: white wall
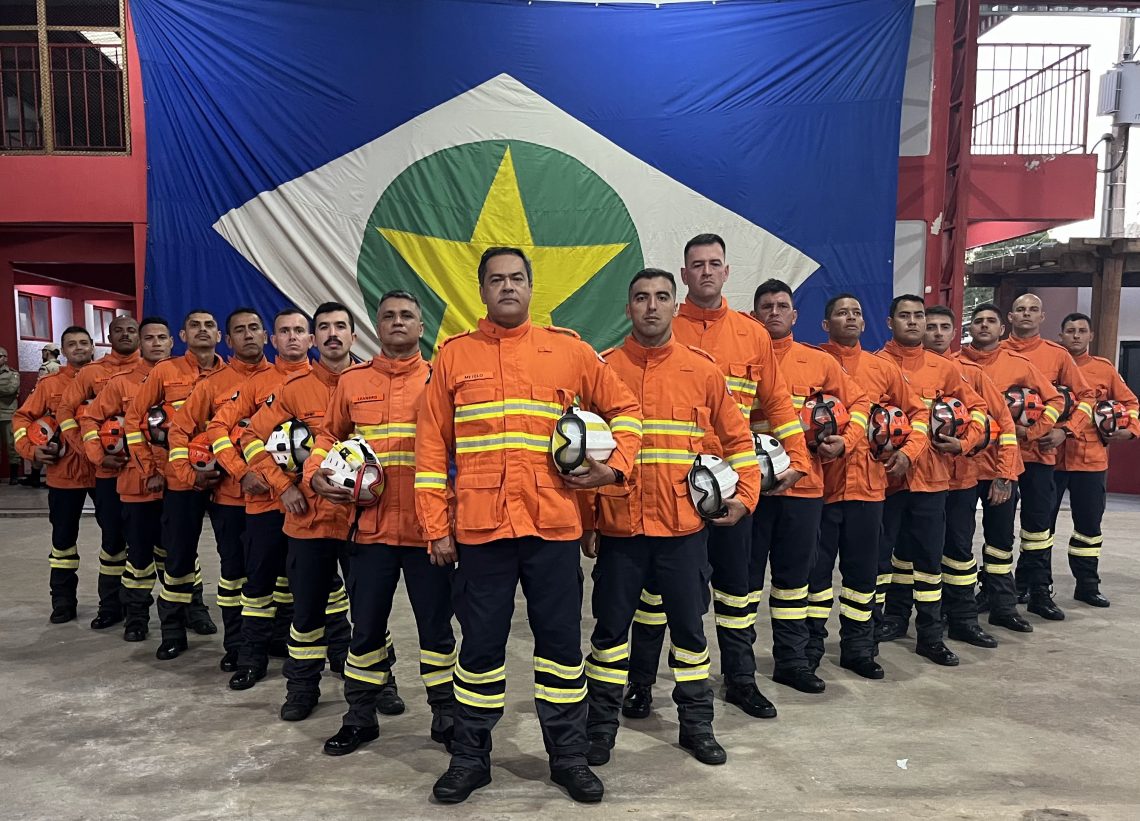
29 352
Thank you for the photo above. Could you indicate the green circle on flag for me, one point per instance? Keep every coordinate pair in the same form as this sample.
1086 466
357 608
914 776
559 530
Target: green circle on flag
431 225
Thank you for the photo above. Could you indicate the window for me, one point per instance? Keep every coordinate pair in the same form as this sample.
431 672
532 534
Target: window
62 77
1130 364
35 317
101 322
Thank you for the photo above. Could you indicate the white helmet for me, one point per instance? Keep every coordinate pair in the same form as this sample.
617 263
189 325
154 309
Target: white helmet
355 466
290 444
578 434
772 457
711 481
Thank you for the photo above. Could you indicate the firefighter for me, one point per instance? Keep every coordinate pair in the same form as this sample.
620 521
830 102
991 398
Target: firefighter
854 489
378 401
123 334
70 477
1004 367
265 587
914 513
644 524
1034 574
197 492
989 473
142 508
493 400
1082 461
743 351
785 529
316 529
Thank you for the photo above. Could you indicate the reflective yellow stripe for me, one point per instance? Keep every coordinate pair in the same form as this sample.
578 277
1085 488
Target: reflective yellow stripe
542 665
959 580
508 407
650 598
179 453
928 595
308 653
253 448
736 601
883 578
957 565
859 418
900 564
997 553
311 636
1087 410
787 613
979 417
995 569
787 429
641 617
629 424
732 622
495 701
438 659
613 654
176 580
921 427
670 427
854 613
431 480
559 695
67 551
691 673
220 444
788 593
369 659
508 440
1084 551
392 458
135 438
690 656
651 456
1051 413
606 674
928 578
817 612
68 424
741 385
378 677
739 460
821 595
1080 537
437 677
391 429
256 601
90 435
856 596
498 674
19 433
320 453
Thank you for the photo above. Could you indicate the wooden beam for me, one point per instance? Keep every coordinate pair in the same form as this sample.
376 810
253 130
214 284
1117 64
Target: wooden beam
1106 307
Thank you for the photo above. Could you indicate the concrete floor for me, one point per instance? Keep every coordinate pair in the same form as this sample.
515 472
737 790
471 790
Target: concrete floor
1044 727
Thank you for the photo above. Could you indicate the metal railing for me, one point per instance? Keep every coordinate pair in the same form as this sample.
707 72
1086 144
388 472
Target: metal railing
20 98
1034 99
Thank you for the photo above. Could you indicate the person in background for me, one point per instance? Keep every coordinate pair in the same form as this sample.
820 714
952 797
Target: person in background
9 396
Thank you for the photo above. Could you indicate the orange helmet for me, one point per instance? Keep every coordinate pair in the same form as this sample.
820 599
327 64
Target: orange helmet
158 423
113 435
200 454
823 415
1070 400
948 417
888 428
1025 405
44 432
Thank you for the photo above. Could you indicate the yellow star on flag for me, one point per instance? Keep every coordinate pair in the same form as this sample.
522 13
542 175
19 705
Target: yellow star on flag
449 267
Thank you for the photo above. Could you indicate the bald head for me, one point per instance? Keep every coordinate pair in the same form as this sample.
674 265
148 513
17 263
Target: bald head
1026 316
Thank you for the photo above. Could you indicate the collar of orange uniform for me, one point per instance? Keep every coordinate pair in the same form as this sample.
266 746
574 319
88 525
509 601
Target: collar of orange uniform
983 358
691 310
903 352
780 347
285 367
641 354
397 367
847 356
1021 345
495 331
1083 359
192 361
116 360
144 367
245 370
325 374
69 370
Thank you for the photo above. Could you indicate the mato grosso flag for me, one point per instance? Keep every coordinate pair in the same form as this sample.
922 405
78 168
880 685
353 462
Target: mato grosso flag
301 152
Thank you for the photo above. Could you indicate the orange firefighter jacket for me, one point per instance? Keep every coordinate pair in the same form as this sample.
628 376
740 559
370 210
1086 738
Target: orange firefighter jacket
304 396
743 350
169 382
72 471
493 400
86 386
1085 451
683 400
379 400
1008 369
998 460
207 398
932 377
860 476
113 400
809 370
258 390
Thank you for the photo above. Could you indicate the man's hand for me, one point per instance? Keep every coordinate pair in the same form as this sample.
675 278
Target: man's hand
897 465
1121 435
1052 440
598 474
207 479
1022 432
49 454
334 493
785 480
590 544
155 484
831 447
736 512
947 444
253 485
293 501
443 551
1000 491
114 461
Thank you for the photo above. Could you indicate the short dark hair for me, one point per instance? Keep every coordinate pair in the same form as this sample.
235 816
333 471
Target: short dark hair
905 298
941 310
771 286
333 307
704 239
653 273
502 250
289 312
244 309
193 311
400 293
1076 316
154 320
986 306
74 329
831 303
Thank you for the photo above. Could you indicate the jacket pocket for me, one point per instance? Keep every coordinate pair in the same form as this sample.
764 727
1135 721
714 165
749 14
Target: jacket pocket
685 516
556 505
479 499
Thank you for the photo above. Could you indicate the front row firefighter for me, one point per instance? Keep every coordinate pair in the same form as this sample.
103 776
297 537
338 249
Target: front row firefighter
495 396
650 525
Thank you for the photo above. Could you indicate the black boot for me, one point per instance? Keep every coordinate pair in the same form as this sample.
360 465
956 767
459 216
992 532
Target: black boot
1041 603
1090 595
637 702
580 782
388 702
